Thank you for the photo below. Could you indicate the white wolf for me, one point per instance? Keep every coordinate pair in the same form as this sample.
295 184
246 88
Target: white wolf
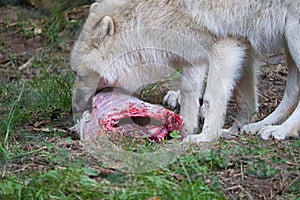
131 43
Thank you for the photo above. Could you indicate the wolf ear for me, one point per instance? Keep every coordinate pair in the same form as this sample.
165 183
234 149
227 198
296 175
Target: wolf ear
104 29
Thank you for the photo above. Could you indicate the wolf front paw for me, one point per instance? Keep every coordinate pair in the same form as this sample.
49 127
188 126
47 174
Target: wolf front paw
172 99
253 128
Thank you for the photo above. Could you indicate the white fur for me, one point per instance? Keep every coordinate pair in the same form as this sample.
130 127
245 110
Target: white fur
223 72
172 99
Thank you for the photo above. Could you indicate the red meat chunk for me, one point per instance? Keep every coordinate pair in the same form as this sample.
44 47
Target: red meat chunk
115 111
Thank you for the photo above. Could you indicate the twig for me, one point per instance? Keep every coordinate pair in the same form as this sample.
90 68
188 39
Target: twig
242 189
259 94
25 65
242 172
292 164
233 188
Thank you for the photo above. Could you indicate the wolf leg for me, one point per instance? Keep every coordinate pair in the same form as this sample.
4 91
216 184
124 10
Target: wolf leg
291 127
245 97
224 68
190 91
287 105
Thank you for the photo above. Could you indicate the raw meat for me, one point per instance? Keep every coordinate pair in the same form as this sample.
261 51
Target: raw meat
116 111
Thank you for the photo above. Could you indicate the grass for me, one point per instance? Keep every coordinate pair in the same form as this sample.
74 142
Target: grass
40 159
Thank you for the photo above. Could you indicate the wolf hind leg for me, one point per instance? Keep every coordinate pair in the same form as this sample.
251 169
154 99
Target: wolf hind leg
291 126
289 101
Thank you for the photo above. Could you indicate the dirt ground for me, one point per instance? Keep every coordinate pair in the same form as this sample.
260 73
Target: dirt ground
271 86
